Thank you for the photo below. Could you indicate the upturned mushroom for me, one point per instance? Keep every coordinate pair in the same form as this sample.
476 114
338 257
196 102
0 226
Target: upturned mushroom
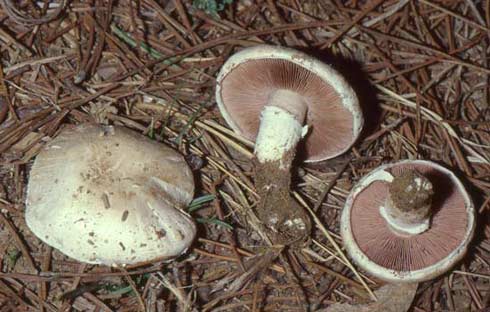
107 195
408 221
276 97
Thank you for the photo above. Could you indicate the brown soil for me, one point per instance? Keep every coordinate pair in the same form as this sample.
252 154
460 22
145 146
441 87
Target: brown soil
409 197
286 221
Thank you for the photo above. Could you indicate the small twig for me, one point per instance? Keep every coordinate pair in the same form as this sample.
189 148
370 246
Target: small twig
335 245
331 184
370 6
185 304
20 18
464 19
135 289
19 242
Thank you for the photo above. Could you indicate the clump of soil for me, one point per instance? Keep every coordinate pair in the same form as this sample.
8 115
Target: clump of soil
412 193
286 221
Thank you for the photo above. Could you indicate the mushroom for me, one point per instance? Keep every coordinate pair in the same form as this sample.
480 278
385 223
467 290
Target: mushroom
107 195
276 96
408 221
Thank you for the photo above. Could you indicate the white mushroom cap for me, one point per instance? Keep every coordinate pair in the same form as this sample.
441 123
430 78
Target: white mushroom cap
107 195
249 78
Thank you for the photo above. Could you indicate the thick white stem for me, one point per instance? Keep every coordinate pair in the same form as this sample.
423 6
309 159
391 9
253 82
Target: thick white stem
399 225
280 127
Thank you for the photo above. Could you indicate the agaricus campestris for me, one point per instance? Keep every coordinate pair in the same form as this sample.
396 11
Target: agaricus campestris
108 195
408 221
276 96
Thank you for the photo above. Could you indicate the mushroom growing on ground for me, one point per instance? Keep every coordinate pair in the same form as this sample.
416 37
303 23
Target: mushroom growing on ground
276 96
408 222
108 195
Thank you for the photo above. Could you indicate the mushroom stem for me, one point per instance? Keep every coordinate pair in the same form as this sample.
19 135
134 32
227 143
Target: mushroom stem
408 206
281 128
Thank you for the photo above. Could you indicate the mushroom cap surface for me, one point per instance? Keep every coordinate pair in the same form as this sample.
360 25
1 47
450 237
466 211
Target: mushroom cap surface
249 77
108 195
374 246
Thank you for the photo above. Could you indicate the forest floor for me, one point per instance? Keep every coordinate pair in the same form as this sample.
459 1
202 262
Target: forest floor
420 69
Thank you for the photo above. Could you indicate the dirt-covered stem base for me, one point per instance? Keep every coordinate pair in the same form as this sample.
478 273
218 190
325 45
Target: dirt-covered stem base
407 208
286 221
280 131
